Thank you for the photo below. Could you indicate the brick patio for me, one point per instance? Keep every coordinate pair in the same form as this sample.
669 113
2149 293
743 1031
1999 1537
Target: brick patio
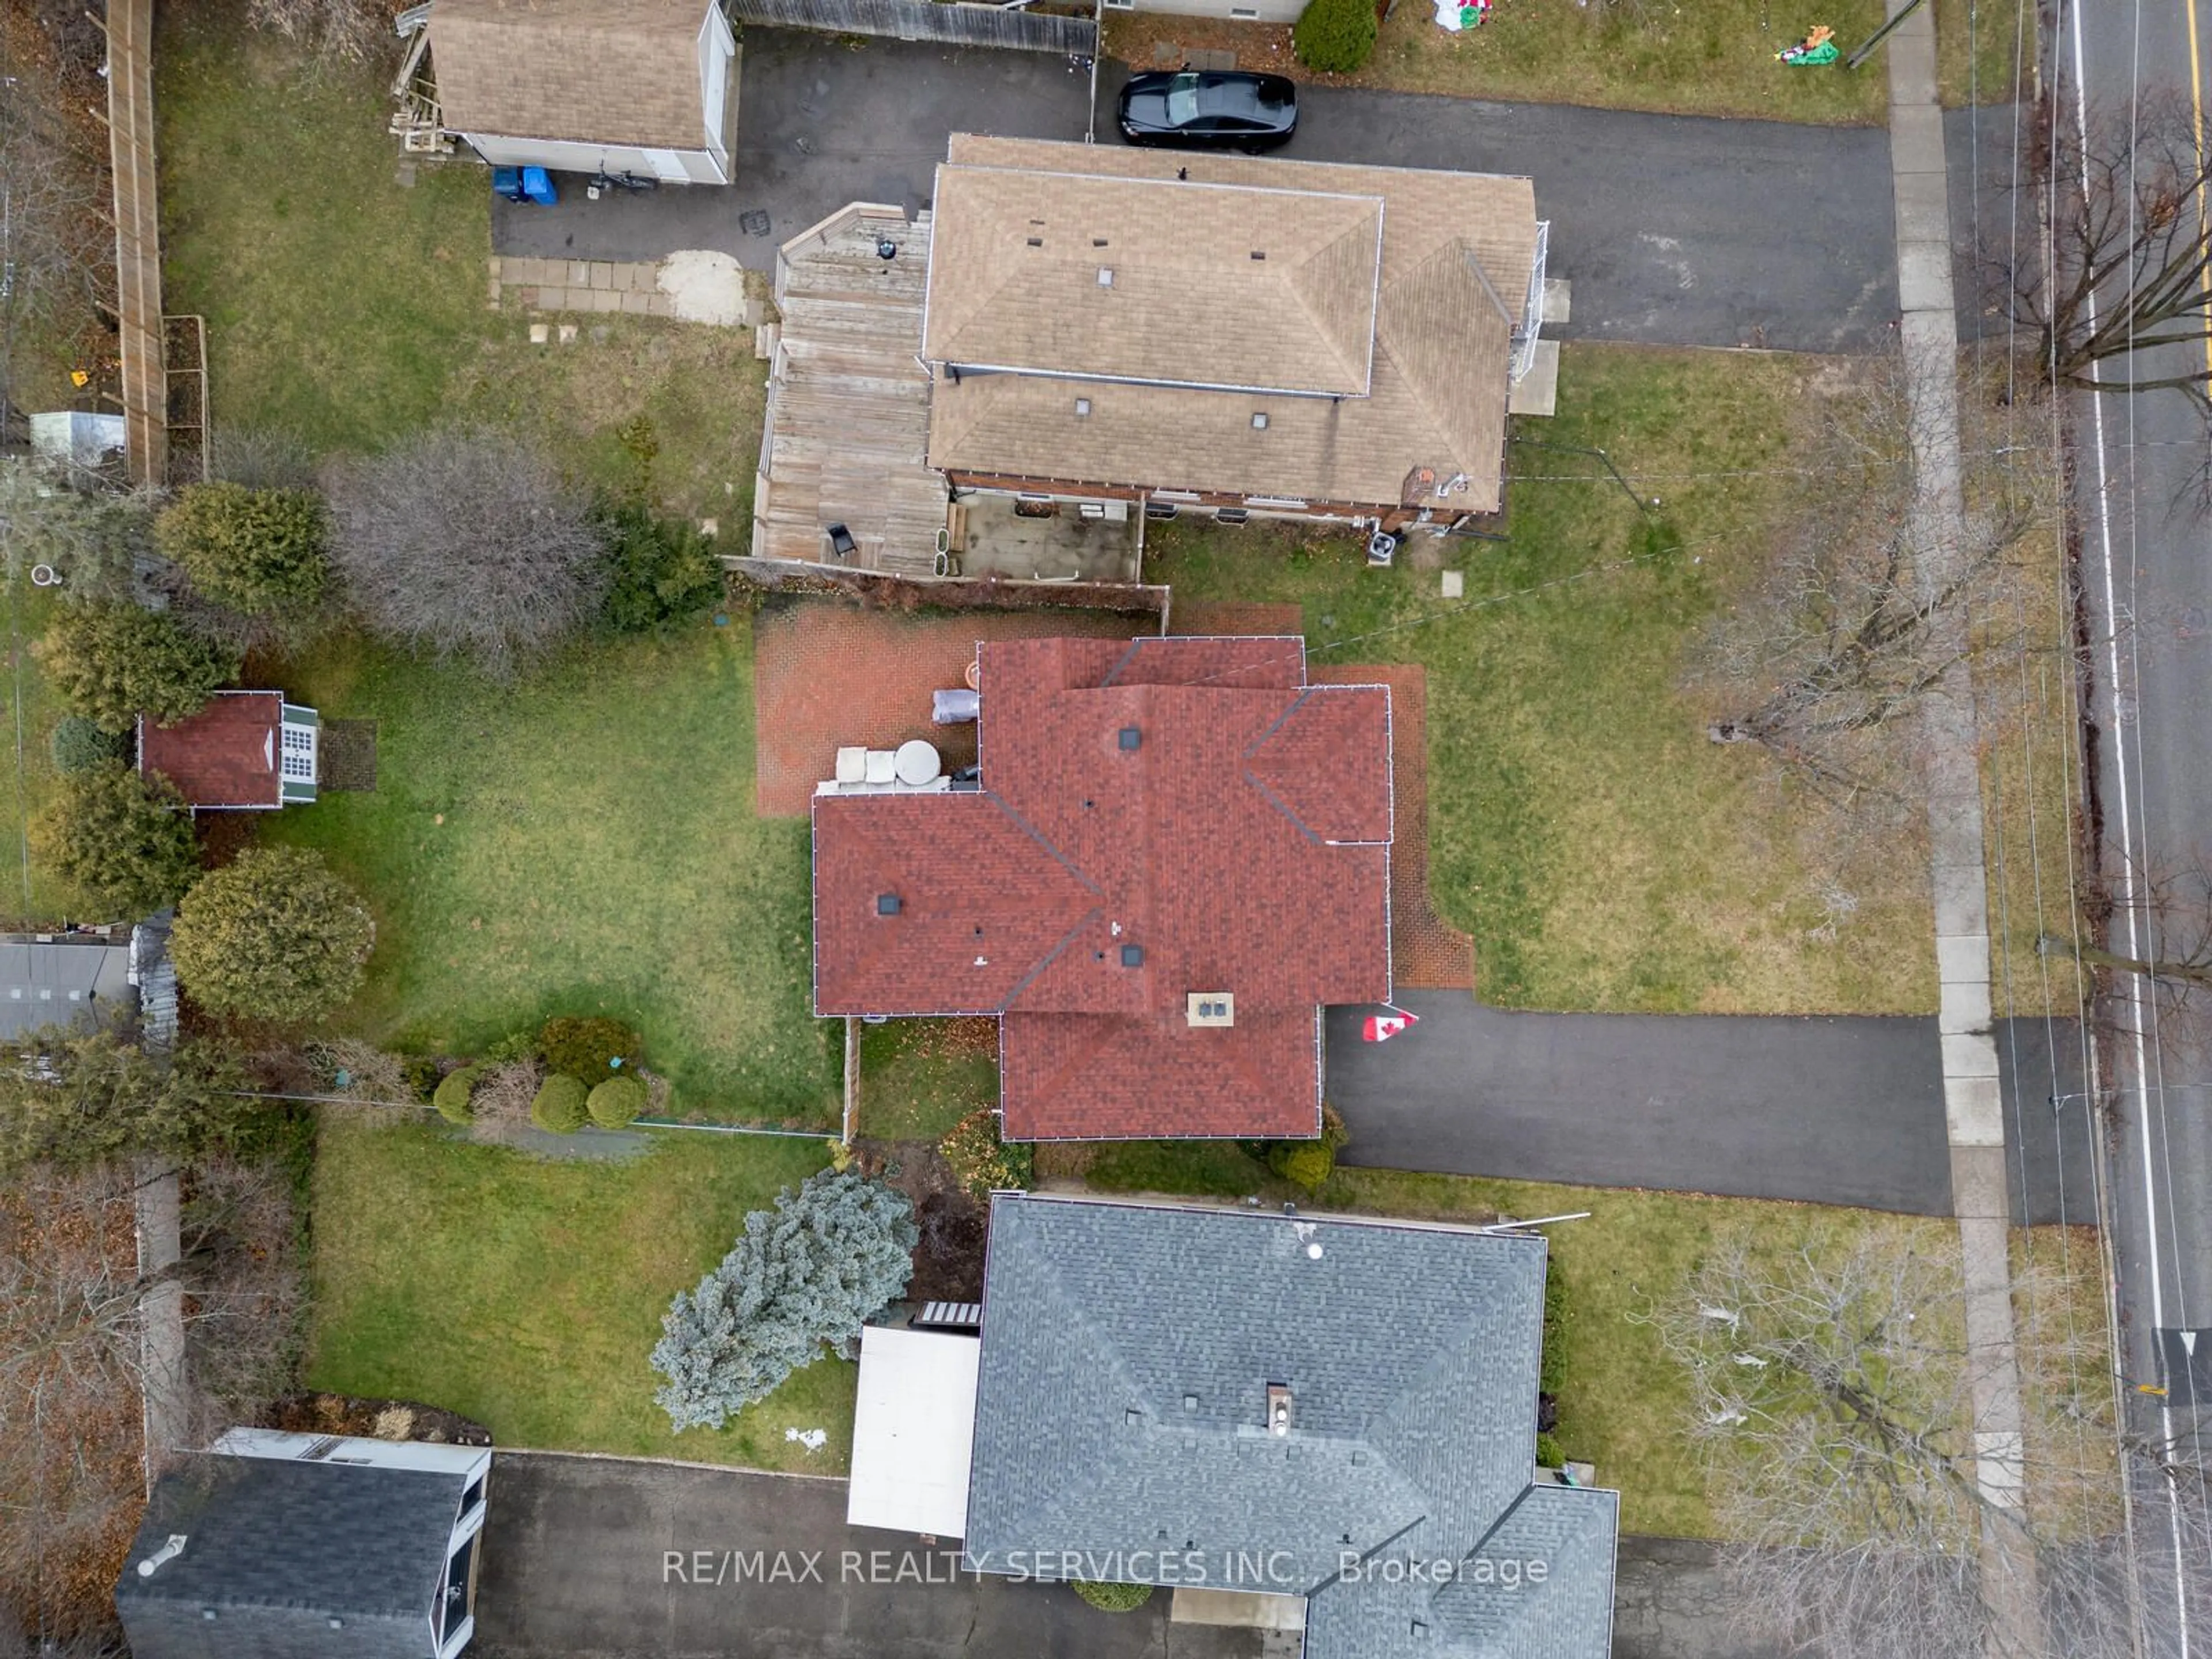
828 674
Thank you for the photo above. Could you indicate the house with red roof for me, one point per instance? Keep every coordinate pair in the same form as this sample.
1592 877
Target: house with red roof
1175 853
246 751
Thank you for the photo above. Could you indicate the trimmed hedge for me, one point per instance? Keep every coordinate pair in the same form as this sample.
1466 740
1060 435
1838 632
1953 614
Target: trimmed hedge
1550 1455
1306 1163
587 1049
1112 1598
1335 36
561 1105
616 1104
450 1097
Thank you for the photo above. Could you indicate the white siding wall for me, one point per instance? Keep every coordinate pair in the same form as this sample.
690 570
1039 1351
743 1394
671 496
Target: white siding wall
699 167
1269 11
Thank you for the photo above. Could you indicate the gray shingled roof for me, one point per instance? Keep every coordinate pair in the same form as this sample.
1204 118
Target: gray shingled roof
278 1548
67 981
1127 1352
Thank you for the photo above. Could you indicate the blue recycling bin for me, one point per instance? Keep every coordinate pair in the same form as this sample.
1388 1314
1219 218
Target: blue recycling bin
533 184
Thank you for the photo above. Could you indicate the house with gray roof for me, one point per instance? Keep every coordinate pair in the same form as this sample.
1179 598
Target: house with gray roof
275 1544
1337 1409
62 978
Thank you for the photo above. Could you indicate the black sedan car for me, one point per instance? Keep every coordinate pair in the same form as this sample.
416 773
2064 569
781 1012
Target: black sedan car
1194 109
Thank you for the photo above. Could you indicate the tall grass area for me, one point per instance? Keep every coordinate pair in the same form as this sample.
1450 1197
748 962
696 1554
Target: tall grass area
347 310
1602 852
527 1294
32 896
582 841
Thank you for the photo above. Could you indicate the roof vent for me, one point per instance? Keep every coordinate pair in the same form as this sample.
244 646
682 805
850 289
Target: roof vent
1258 253
1209 1008
1278 1408
1083 407
886 248
1259 420
1105 275
887 904
168 1551
1128 738
1037 241
1132 955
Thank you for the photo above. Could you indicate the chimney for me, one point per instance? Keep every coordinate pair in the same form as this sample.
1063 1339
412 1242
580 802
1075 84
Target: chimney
1278 1408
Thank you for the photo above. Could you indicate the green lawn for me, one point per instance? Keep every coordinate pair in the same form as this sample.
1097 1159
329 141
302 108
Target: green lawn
527 1294
31 895
347 310
1712 57
920 1077
583 842
1601 851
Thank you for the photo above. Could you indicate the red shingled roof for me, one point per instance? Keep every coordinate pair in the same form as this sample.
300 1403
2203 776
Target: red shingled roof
227 755
1239 841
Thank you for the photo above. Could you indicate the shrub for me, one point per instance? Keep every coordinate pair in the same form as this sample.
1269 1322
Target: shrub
1305 1163
421 1074
615 1103
560 1105
660 571
1550 1454
980 1161
587 1049
505 1091
252 550
274 935
79 745
1112 1598
450 1097
1551 1373
123 838
114 661
514 1046
1335 36
801 1279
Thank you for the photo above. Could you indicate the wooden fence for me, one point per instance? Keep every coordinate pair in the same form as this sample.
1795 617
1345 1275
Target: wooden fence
949 21
137 240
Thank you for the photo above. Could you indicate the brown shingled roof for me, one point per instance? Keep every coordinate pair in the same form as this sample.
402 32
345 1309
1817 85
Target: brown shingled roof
1457 250
590 71
227 755
1159 818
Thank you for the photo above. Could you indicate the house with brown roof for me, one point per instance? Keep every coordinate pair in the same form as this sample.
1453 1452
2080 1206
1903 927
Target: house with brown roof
1108 333
245 751
648 87
1175 853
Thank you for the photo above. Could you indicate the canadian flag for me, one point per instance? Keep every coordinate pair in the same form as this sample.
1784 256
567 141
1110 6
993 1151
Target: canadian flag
1381 1027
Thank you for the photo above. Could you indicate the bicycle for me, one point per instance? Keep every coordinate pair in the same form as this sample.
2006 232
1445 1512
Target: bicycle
602 180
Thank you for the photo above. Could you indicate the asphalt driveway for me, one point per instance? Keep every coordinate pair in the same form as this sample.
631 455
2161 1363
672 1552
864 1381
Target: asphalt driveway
589 1558
1674 230
1823 1110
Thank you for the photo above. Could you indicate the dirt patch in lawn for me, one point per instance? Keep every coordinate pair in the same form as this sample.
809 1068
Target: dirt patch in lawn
373 1419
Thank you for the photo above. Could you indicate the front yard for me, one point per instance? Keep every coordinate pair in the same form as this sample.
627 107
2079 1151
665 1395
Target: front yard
527 1294
1603 854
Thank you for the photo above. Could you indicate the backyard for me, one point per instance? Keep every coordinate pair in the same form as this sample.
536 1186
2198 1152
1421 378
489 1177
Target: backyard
527 1293
35 896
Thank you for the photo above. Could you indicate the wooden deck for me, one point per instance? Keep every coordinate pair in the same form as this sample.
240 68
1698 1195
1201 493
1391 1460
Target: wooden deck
138 238
847 437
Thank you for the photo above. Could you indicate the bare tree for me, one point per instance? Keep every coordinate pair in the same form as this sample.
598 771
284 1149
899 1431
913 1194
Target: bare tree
2124 269
467 543
1826 665
56 241
1832 1395
351 30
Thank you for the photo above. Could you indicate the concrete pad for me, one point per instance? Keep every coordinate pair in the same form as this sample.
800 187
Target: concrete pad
1537 391
1911 73
1964 1007
540 333
1916 139
1997 1468
1973 1106
602 274
1962 956
1239 1609
605 299
1979 1182
1968 1057
1957 884
1455 584
1559 299
578 274
633 303
568 334
1923 276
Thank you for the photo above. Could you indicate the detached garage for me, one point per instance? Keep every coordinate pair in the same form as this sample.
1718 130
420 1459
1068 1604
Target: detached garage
648 87
913 1427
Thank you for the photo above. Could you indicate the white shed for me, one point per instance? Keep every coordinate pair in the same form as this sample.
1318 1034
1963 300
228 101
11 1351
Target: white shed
648 87
912 1430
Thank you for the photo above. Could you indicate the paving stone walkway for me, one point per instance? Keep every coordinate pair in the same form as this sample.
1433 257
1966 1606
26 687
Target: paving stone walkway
628 288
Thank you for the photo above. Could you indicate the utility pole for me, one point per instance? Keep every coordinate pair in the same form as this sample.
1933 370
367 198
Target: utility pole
1882 34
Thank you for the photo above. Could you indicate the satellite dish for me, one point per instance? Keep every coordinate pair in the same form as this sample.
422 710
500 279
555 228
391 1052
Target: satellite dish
917 763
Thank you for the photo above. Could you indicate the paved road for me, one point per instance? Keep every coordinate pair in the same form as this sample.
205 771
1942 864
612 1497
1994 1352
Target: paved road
575 1567
1673 230
1831 1111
